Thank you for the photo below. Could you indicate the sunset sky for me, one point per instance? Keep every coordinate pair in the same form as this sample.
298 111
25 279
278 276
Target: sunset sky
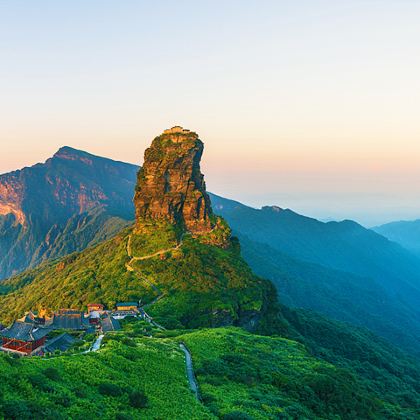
312 105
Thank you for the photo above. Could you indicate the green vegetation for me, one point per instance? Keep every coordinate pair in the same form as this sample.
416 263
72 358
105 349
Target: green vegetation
240 376
393 376
305 367
158 236
342 270
129 378
271 378
203 285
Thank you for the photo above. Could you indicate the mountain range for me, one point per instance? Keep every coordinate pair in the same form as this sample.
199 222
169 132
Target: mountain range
405 233
339 269
179 258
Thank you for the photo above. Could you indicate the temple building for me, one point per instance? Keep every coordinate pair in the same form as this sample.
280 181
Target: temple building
127 307
23 337
31 318
68 319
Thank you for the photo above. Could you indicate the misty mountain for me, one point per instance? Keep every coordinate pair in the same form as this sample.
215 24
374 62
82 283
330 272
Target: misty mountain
337 268
405 233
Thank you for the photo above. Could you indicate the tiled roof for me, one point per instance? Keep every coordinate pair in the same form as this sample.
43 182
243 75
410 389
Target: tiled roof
110 324
24 331
69 321
63 342
127 304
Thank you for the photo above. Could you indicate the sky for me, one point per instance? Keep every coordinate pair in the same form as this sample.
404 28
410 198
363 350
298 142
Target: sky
311 105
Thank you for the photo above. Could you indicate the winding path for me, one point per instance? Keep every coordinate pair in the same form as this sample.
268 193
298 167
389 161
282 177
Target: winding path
188 359
190 371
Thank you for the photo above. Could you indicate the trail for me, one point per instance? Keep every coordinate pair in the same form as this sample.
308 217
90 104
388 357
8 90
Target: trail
190 371
97 344
130 268
146 257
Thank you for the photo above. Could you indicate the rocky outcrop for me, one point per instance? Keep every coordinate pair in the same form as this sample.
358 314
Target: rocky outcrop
170 184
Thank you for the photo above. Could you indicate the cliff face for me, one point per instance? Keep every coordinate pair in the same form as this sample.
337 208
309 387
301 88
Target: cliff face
170 185
38 203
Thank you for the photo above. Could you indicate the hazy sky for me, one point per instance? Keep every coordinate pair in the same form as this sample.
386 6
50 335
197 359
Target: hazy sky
312 105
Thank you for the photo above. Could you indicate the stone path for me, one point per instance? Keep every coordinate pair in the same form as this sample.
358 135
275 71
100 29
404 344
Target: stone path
190 371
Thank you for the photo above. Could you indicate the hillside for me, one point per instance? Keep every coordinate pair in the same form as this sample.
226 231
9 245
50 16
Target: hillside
340 269
339 295
203 285
71 201
405 233
240 375
345 246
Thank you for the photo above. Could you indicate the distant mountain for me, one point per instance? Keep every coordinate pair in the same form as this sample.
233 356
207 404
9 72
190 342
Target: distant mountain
405 233
339 269
71 201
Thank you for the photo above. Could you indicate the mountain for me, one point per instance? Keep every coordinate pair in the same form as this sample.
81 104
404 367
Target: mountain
88 199
71 201
177 249
181 261
405 233
339 269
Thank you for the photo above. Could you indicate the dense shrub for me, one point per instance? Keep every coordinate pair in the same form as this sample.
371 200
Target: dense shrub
138 399
52 373
16 410
237 415
110 389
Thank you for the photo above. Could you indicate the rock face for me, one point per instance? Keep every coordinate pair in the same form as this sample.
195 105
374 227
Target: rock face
170 184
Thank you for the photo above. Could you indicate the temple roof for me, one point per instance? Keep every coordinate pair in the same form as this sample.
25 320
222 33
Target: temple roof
127 304
68 320
24 331
63 342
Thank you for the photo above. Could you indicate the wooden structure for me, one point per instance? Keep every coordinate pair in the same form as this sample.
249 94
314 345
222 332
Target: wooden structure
23 337
94 318
127 307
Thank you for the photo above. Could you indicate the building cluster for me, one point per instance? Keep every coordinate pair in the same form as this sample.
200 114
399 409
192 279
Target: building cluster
33 335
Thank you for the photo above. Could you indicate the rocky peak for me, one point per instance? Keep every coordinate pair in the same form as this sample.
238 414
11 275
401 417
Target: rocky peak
170 185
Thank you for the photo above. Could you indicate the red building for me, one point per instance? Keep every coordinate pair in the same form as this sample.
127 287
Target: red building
23 337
